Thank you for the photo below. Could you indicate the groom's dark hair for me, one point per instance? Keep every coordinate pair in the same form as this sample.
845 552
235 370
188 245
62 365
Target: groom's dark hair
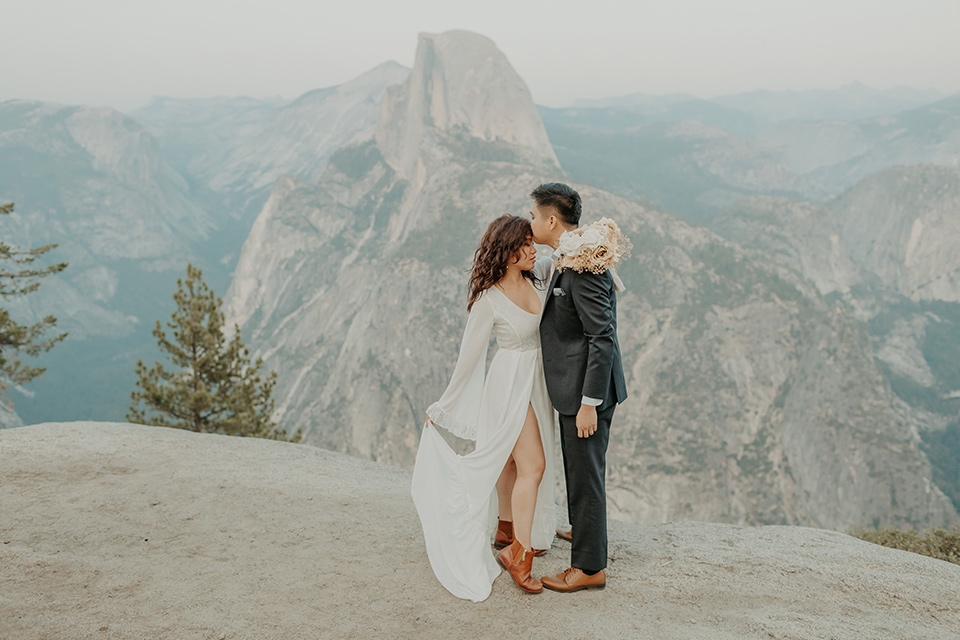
561 197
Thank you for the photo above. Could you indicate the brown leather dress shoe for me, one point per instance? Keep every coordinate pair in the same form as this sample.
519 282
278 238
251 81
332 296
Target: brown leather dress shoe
574 579
504 537
518 564
565 535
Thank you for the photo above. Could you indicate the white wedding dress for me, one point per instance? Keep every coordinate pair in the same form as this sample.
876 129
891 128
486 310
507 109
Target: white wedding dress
455 495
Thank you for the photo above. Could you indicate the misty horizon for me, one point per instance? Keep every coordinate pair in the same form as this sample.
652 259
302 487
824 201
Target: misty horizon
128 106
122 55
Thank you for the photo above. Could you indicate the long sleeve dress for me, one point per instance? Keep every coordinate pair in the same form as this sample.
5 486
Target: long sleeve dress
455 495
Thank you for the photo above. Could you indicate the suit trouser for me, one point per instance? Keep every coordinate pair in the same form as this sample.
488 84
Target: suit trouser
584 469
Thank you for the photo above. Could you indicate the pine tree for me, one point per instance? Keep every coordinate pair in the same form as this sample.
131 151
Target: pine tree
18 340
213 386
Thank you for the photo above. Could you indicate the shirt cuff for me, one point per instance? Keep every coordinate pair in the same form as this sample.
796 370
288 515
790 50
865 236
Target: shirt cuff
591 402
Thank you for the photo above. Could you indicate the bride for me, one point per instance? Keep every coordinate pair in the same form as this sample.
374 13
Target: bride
509 415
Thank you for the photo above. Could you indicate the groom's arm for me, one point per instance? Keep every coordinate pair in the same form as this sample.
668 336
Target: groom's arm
593 298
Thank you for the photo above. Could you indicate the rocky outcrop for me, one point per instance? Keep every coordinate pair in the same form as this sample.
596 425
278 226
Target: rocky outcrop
805 236
462 88
753 399
108 529
888 248
901 225
896 230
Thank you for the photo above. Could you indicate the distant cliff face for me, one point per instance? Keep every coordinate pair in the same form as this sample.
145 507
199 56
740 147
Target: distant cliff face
462 88
94 182
889 248
752 399
902 225
98 175
896 230
804 236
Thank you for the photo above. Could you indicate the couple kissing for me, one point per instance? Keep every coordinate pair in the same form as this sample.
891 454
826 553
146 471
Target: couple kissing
557 360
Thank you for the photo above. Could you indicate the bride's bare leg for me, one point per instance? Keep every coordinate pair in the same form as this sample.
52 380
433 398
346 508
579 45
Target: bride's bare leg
528 455
508 477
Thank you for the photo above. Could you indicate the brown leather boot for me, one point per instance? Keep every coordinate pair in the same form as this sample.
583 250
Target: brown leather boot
518 564
504 534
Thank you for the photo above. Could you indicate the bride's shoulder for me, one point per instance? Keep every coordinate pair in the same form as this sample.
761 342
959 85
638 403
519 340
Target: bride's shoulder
484 301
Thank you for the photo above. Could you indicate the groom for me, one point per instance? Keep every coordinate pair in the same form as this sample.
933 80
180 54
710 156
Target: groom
581 359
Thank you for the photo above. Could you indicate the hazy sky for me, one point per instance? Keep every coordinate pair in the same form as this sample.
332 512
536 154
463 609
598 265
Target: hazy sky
121 52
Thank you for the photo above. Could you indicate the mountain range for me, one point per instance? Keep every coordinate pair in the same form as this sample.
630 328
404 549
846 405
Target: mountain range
756 399
769 345
238 147
131 204
851 102
698 157
95 182
887 247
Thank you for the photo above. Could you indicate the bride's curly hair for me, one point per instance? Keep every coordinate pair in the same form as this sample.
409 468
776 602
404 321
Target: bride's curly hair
499 246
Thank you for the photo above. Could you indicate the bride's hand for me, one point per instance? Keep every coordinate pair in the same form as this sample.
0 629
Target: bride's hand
428 422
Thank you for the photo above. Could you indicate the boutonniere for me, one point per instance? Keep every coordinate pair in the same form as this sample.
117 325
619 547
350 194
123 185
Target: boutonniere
596 247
